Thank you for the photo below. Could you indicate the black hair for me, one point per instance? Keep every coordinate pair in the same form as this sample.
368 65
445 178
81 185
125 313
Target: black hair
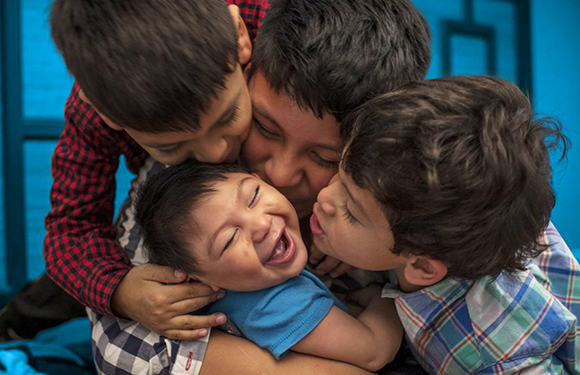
164 207
333 55
150 65
461 168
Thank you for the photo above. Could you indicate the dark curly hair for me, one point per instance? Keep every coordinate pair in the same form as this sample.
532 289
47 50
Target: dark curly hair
150 65
461 168
333 55
164 207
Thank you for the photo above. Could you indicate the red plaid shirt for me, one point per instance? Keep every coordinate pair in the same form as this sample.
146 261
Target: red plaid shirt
81 251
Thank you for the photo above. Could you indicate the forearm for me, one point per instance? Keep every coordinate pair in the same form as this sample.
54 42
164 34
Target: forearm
91 278
370 342
228 354
385 332
81 253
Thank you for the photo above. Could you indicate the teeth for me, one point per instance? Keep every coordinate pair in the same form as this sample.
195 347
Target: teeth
280 247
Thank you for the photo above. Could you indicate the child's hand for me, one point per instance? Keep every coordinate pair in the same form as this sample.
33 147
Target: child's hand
159 299
329 264
364 296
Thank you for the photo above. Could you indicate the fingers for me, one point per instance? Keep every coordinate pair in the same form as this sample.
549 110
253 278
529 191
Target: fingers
193 327
315 255
188 305
327 265
185 335
341 269
161 274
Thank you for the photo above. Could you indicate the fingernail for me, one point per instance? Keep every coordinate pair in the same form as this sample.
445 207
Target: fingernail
203 333
221 294
179 274
214 288
333 274
220 319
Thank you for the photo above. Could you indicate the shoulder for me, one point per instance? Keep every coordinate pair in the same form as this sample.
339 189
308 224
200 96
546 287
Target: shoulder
490 321
514 316
86 132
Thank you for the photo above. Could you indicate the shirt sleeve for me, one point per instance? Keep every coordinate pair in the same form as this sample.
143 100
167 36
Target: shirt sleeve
81 253
549 365
279 317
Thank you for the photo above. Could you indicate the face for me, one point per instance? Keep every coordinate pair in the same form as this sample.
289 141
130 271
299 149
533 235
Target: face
348 224
223 129
249 238
289 147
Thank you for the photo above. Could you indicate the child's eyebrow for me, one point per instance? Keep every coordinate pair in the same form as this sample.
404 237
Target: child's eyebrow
241 185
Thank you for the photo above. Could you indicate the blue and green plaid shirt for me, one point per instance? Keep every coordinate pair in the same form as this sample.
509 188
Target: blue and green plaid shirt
524 323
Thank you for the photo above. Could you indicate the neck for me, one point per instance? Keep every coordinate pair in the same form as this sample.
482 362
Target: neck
405 285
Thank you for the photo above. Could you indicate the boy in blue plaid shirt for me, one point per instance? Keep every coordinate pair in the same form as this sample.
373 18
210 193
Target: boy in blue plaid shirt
447 184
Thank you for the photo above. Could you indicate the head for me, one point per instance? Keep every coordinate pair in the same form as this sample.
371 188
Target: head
166 72
314 62
221 225
446 177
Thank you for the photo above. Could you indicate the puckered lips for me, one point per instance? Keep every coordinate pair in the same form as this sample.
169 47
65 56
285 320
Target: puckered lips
315 224
283 250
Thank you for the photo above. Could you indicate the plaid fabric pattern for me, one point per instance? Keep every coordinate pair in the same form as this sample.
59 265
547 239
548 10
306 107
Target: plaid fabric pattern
525 323
124 347
81 253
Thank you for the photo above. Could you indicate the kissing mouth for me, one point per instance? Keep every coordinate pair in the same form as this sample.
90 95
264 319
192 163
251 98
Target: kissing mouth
315 226
284 249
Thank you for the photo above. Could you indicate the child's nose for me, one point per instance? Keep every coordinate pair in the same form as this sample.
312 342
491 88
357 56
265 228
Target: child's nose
328 208
261 227
326 202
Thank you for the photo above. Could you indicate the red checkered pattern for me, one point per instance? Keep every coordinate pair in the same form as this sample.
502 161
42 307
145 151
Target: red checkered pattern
81 251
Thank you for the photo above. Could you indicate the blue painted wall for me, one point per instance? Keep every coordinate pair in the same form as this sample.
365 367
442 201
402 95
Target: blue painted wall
556 85
556 89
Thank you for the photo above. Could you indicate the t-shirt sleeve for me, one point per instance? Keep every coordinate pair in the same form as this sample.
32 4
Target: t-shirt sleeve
279 317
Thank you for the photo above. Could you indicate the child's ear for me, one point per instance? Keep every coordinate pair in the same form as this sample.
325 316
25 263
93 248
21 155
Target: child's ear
423 271
244 42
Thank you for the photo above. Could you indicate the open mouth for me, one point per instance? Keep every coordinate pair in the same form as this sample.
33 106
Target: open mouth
284 249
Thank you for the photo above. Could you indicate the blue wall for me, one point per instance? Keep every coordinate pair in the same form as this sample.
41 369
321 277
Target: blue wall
556 92
556 87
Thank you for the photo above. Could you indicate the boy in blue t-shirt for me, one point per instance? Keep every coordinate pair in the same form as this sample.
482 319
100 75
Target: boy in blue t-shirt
447 183
229 229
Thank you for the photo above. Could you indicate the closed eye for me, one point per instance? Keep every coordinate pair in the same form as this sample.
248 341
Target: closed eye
348 215
169 152
255 196
230 241
235 115
263 130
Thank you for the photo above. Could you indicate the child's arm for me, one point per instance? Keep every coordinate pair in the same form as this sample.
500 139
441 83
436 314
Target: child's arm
81 251
370 342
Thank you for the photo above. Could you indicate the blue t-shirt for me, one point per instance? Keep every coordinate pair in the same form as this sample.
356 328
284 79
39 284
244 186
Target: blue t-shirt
278 317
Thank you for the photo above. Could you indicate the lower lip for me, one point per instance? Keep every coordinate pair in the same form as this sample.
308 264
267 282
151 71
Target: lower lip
290 251
315 227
